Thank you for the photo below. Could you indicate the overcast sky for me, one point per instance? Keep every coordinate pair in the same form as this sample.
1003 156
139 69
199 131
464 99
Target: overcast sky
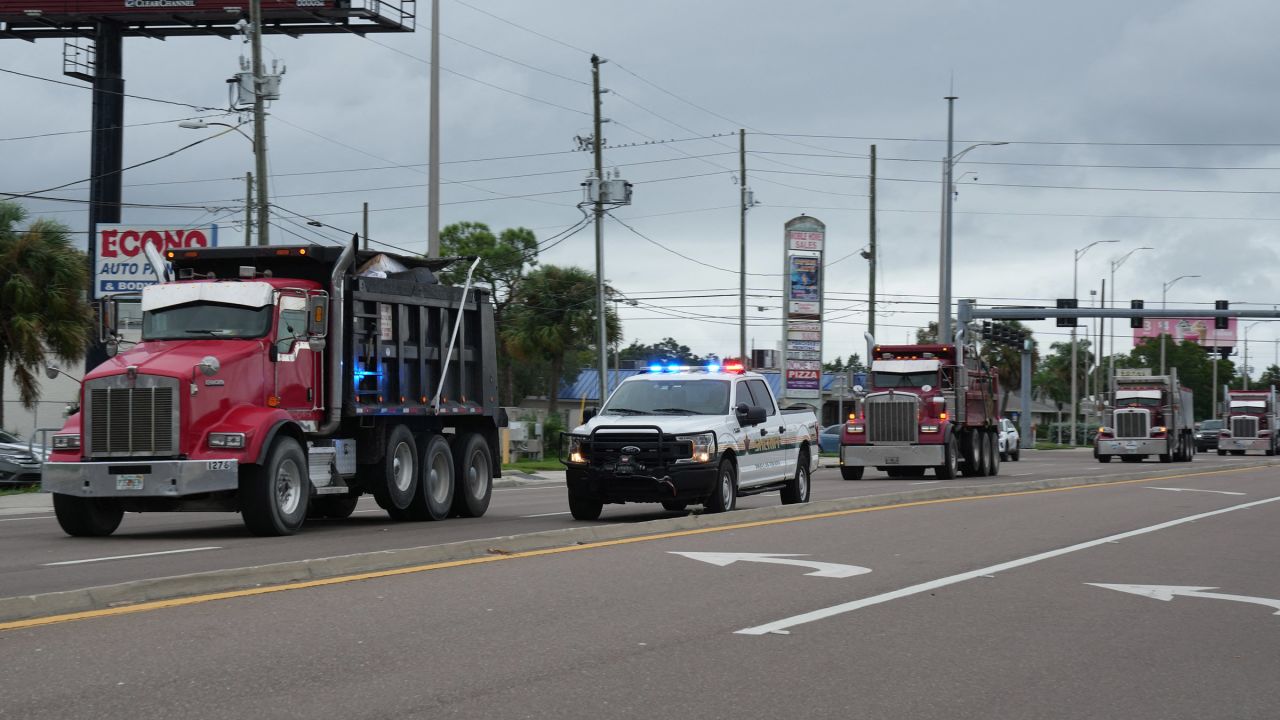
1179 95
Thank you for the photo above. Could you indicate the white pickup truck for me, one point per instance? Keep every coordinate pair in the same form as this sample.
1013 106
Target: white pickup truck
682 436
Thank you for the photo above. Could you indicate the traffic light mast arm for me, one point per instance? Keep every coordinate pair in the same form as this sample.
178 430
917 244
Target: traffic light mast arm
969 311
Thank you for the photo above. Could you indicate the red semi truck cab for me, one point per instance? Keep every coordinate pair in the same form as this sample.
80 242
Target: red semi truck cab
279 383
926 406
1249 422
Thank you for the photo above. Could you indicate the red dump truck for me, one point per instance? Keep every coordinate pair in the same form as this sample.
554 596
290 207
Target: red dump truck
1248 422
926 407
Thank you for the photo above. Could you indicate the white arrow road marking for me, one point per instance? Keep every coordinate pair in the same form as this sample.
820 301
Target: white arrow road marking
780 626
129 557
1169 592
820 569
1219 492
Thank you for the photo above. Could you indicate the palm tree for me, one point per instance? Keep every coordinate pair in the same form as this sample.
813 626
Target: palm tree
1007 360
42 284
553 318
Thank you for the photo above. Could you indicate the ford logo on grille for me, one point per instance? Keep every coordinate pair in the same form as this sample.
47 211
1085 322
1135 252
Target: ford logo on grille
631 450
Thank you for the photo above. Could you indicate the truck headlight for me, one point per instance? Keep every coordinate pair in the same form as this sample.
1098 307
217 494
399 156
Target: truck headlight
928 428
66 442
226 440
854 428
703 446
576 456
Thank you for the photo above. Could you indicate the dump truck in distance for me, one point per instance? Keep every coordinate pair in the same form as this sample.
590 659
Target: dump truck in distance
282 383
1248 422
1150 415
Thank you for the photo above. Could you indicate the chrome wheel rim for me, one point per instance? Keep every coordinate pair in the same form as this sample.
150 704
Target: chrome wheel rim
288 487
802 482
402 467
438 478
726 488
478 474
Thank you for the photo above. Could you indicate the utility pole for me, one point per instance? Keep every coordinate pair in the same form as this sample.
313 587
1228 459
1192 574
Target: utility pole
106 148
259 120
602 344
366 227
944 297
871 291
248 209
742 251
433 142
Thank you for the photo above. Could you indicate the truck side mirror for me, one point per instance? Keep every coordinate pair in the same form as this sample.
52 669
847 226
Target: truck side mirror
750 415
317 315
588 414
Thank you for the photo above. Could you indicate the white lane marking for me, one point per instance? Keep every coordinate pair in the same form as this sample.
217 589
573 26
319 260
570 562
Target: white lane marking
129 557
780 626
38 517
1218 492
563 512
926 482
820 569
1168 592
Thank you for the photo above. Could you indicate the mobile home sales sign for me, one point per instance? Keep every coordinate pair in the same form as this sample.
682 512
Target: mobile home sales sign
122 266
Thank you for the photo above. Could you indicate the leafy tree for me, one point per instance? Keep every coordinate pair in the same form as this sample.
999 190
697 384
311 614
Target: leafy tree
1270 376
1195 369
42 306
552 318
668 350
853 364
927 335
503 259
1052 377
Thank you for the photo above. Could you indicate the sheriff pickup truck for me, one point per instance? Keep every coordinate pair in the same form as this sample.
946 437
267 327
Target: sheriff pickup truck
682 436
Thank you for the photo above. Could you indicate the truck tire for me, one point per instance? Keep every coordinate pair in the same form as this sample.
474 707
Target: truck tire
334 507
274 496
87 517
724 496
473 473
583 506
950 462
394 481
797 488
851 472
434 497
993 454
980 450
971 462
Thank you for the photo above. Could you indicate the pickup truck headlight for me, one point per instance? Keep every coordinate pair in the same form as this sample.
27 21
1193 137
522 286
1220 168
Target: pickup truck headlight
575 454
703 445
66 442
226 440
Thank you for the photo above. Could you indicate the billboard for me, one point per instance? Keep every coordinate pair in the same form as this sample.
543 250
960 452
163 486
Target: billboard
804 240
805 293
1196 330
121 265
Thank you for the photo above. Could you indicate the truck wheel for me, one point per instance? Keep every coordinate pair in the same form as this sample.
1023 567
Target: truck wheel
473 473
980 450
1165 457
797 488
434 496
724 497
993 454
395 480
335 507
971 462
851 472
583 506
274 496
950 463
87 517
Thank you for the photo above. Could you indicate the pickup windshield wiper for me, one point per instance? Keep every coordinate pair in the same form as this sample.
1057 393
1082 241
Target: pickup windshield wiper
676 411
624 411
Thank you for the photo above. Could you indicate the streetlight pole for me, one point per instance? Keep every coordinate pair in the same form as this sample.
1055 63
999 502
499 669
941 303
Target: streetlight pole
1163 295
1111 356
259 120
1075 369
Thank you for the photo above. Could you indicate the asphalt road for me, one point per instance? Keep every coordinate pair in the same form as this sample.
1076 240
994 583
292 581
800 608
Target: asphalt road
39 558
987 607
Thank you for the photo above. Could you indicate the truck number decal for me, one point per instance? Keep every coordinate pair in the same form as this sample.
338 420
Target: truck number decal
221 465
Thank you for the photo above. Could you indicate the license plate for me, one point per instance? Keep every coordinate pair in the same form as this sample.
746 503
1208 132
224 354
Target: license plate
891 461
129 482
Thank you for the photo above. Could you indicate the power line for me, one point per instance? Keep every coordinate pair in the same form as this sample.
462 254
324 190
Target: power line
132 125
1024 142
198 108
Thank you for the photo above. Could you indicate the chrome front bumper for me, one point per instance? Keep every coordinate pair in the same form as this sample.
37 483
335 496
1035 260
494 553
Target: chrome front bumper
891 455
1233 443
1137 446
155 478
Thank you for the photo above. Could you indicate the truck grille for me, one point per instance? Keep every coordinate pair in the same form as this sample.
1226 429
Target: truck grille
1244 427
892 419
1132 424
132 421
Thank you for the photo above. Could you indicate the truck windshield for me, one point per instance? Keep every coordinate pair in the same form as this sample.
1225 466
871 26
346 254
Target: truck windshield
669 397
886 380
1248 407
1135 401
183 322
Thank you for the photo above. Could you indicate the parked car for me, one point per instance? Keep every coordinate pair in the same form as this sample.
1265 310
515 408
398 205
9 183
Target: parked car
1009 449
19 465
829 439
1207 434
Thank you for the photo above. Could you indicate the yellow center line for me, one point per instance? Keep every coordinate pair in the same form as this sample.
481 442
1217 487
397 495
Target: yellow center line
250 592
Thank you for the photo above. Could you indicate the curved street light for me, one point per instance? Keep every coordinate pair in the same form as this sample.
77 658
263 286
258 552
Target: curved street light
1111 327
262 206
1163 294
1075 369
948 187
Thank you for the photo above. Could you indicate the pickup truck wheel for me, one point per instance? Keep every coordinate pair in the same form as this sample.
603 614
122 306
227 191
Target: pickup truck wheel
397 483
584 507
724 497
435 493
274 497
950 462
1015 455
473 473
797 488
87 517
851 472
335 507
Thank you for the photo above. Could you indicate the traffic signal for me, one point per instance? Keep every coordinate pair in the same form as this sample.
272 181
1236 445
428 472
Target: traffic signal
1220 323
1066 304
1135 322
986 330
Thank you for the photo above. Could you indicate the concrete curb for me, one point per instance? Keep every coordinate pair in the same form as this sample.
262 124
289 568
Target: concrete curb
30 606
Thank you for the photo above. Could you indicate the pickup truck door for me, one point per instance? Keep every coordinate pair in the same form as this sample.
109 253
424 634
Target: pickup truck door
766 449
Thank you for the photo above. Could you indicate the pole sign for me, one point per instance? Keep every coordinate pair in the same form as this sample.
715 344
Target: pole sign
804 244
122 266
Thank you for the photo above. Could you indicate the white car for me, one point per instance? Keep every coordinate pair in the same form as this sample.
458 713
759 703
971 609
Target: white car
1009 449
